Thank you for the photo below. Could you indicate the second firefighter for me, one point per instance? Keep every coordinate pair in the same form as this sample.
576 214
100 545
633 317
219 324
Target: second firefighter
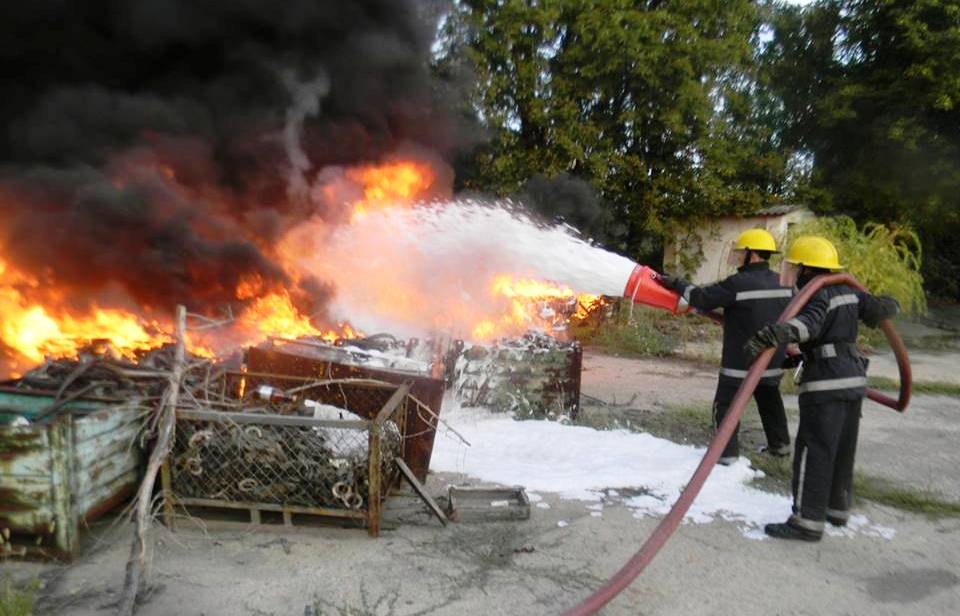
750 298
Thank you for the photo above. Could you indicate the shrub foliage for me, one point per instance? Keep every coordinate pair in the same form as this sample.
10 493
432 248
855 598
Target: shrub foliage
885 259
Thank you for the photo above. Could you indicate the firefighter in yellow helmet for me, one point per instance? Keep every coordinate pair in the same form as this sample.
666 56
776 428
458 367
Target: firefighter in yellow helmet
831 389
750 299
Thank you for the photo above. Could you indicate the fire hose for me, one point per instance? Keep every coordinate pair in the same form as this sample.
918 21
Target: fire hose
635 566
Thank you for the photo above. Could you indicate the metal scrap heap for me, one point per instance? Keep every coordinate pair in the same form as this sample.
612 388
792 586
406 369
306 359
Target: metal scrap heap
534 376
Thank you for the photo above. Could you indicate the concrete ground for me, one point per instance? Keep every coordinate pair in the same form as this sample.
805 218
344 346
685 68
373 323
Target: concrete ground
556 558
916 449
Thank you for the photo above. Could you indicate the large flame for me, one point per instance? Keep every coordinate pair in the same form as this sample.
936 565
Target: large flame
532 304
389 185
38 322
34 330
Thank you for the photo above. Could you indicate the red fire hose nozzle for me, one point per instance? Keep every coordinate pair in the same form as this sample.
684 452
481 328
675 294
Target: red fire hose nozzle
644 287
629 572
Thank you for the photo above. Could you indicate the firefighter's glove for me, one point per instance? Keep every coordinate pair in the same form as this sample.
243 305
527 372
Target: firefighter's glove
673 282
770 336
879 308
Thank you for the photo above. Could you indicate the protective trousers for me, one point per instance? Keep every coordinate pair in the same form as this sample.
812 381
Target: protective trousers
823 462
772 415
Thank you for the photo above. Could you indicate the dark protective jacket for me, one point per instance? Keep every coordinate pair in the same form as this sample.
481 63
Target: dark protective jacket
750 299
827 330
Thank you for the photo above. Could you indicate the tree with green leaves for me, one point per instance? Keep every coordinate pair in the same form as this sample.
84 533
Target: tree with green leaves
871 96
651 102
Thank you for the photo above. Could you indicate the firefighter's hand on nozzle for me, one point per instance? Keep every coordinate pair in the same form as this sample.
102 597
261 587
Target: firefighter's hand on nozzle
772 335
671 282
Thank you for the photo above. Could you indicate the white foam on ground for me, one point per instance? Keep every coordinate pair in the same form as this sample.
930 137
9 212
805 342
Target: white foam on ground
577 462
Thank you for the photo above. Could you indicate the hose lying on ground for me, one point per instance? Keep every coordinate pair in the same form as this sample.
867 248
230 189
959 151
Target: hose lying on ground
622 578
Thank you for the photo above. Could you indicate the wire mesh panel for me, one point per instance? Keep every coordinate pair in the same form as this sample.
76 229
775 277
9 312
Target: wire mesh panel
302 453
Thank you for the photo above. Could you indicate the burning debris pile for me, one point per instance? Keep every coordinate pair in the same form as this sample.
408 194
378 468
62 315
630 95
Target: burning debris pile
280 168
230 434
100 372
165 154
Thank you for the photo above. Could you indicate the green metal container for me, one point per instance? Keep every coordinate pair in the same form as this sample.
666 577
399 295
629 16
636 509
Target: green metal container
62 471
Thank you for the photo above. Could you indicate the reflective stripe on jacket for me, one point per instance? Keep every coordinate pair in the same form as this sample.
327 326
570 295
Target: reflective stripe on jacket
827 328
750 299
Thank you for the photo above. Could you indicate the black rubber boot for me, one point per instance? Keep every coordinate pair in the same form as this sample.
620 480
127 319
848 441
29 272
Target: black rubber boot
789 531
780 451
834 521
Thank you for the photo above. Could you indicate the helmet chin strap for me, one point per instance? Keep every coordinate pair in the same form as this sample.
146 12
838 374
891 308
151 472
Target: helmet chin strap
746 257
804 276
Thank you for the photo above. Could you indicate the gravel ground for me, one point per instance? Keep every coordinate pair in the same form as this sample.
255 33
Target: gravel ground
548 563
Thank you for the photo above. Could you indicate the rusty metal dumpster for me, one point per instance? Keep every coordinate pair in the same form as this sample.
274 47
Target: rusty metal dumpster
62 471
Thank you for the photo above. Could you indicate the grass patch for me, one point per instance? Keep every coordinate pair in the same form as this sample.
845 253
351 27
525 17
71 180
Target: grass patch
935 388
938 388
779 471
686 423
887 493
691 424
17 600
875 339
641 331
787 386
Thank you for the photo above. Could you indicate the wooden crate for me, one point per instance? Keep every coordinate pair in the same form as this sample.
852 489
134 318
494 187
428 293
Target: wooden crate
59 473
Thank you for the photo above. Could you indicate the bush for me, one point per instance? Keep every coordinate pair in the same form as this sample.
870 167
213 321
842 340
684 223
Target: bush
884 259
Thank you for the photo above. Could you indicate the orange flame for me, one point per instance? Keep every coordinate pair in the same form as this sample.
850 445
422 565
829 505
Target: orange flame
274 314
32 330
532 304
586 304
35 331
37 323
507 286
389 185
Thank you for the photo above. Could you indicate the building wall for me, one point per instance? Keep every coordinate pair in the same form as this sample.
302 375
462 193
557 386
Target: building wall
716 239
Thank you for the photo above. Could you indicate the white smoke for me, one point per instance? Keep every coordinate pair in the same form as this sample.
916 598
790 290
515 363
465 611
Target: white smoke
306 97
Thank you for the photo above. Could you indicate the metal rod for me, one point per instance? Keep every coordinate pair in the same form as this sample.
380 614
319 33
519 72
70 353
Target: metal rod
270 420
323 511
373 495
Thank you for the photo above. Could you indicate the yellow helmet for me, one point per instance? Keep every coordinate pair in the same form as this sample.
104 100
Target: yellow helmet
756 239
814 251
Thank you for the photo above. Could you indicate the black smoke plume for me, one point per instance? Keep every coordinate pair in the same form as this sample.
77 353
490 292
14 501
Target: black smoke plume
143 142
569 199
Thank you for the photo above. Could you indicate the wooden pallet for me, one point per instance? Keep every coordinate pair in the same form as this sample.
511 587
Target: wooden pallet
256 514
